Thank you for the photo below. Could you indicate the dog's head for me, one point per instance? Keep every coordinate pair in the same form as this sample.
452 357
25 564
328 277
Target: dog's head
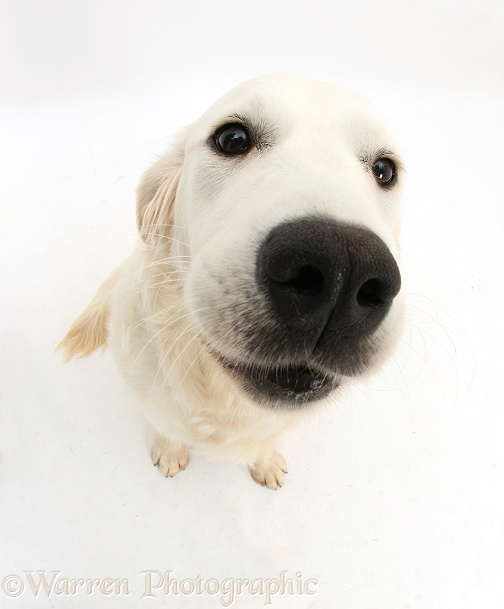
279 210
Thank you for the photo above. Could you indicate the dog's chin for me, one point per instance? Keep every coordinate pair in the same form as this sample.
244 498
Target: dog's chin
288 387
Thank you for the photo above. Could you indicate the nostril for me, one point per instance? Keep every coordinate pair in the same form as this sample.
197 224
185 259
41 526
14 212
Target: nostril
326 287
307 280
370 294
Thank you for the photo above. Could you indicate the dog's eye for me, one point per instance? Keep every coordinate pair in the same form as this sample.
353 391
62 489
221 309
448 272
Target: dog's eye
232 139
384 171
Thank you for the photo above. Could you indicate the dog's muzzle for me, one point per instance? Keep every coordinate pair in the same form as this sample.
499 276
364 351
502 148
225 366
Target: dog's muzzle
328 287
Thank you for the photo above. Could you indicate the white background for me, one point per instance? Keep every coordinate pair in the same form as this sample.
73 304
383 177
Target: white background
395 496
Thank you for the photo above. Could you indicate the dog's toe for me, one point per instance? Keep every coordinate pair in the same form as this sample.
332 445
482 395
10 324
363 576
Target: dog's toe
170 457
269 471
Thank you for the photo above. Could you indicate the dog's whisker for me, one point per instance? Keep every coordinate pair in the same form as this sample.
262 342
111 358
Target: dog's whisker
169 261
185 331
156 335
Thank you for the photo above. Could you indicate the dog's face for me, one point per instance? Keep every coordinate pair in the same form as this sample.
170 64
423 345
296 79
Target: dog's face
279 207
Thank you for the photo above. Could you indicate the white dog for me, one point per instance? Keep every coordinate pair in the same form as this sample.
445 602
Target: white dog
266 277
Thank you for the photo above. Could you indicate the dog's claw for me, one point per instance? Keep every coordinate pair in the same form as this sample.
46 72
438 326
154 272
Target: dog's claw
170 457
269 471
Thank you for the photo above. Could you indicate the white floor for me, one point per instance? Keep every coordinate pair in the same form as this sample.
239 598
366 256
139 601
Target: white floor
395 497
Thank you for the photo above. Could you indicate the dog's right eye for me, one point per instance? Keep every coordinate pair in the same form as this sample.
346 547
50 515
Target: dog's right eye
232 139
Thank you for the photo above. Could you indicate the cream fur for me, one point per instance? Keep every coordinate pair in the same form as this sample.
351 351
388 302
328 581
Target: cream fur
90 330
174 302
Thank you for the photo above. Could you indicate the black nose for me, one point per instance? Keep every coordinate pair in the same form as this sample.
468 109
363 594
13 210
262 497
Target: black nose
326 283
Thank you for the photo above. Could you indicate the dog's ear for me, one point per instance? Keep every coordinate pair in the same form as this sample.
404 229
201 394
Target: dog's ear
156 194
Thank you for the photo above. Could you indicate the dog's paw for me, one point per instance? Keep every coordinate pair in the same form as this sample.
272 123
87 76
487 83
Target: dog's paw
269 470
170 457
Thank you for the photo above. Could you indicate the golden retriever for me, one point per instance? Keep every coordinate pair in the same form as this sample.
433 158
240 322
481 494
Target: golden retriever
266 276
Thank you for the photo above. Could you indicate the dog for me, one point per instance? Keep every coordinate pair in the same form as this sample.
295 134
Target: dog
266 276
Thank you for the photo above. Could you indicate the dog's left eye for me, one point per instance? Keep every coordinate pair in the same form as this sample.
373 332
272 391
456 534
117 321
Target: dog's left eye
232 140
384 171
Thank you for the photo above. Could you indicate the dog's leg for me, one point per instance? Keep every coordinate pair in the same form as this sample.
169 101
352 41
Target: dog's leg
269 470
171 457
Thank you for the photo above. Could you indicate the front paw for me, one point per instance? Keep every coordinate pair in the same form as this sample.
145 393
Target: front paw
269 470
170 457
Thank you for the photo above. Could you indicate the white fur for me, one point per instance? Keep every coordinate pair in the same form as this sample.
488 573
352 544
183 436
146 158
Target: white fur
201 218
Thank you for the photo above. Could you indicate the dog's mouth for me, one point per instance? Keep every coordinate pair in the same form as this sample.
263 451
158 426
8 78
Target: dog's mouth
289 386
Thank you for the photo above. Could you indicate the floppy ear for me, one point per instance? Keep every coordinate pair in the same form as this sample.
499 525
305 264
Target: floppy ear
156 194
